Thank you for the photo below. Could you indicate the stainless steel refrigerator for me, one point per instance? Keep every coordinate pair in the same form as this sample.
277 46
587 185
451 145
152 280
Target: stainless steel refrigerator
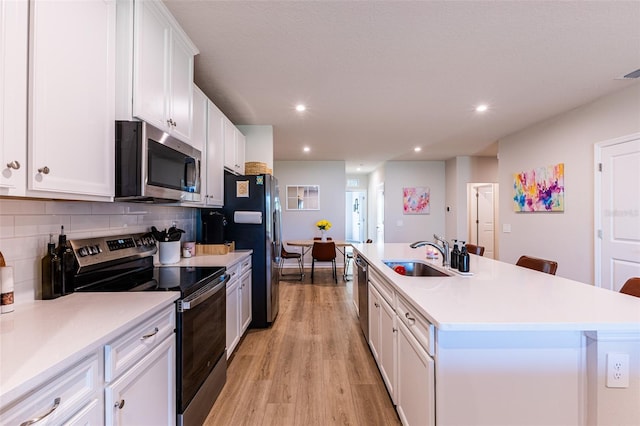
253 214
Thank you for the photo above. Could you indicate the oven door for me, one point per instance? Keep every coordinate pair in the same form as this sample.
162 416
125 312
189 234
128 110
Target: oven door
201 337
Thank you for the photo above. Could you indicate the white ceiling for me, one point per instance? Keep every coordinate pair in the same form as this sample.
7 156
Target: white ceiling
380 78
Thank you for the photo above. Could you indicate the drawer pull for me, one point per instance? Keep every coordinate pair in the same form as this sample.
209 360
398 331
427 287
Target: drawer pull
119 404
44 170
146 336
56 403
410 318
14 165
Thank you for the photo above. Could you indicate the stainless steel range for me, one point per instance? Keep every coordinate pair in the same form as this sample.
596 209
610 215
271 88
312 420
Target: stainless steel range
125 263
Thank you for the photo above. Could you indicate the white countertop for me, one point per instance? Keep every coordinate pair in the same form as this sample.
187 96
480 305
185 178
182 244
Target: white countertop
41 339
225 260
502 296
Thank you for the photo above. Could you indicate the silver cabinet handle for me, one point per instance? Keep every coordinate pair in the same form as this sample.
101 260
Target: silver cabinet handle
14 165
119 404
146 336
56 404
376 304
44 170
410 318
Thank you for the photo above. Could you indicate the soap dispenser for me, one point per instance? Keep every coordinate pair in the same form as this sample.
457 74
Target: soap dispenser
455 255
463 262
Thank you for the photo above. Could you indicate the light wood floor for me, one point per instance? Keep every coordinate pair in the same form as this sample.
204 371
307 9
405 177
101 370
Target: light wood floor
312 367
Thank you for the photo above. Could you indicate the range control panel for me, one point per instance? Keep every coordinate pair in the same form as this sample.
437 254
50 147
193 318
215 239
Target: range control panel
97 250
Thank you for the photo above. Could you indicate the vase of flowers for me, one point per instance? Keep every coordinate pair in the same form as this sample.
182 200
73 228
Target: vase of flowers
323 225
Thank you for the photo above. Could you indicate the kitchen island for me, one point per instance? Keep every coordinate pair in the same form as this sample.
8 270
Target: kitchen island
505 345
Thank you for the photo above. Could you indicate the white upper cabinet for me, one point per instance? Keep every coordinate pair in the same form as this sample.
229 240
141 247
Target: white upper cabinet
199 131
234 148
162 69
71 99
14 22
214 191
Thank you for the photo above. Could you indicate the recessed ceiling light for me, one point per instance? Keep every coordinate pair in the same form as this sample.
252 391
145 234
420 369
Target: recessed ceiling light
482 108
358 169
301 108
417 149
306 149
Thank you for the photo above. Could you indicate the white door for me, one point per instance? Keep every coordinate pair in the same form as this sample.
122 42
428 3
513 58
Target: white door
485 219
617 254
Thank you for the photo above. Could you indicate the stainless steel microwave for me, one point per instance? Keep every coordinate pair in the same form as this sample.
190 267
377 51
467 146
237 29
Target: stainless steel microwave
152 166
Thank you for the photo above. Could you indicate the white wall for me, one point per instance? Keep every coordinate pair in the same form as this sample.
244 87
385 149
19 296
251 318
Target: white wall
376 178
330 176
569 138
259 146
401 228
25 226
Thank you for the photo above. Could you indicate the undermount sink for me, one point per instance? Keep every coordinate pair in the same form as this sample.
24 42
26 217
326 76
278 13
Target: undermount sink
414 269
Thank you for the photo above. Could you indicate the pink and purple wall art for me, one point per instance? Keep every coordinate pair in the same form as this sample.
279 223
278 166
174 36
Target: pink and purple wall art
415 200
540 189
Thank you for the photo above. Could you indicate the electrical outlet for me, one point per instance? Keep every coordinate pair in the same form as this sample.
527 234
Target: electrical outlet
617 370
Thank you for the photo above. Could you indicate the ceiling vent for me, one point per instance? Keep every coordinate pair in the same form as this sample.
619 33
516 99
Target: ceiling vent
632 75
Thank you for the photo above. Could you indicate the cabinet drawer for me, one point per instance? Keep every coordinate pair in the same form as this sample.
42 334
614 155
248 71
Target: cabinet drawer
136 343
421 329
234 272
62 397
245 265
385 289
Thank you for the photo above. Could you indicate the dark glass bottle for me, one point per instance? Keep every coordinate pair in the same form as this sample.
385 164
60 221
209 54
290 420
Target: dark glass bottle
463 262
67 260
455 255
51 273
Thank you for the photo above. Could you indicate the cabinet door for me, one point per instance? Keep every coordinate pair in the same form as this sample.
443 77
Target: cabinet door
229 145
374 323
151 47
245 310
388 344
146 393
215 157
14 22
233 315
72 97
241 143
199 130
181 88
415 395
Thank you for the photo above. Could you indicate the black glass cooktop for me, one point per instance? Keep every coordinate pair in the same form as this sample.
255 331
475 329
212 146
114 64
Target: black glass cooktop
185 279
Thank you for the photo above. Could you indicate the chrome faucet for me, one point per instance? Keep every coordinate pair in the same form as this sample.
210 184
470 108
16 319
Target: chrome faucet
443 249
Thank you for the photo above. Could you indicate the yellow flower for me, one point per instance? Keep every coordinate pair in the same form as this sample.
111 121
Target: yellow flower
323 225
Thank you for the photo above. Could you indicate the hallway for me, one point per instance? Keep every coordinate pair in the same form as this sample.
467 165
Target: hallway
312 367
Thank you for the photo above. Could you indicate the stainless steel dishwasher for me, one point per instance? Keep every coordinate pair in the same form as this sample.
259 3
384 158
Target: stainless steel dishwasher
362 284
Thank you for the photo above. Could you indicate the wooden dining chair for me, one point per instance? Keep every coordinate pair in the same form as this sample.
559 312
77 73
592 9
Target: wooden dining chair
320 238
537 264
285 255
631 287
474 249
324 252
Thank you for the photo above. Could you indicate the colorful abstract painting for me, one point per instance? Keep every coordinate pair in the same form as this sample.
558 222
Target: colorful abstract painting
415 200
541 189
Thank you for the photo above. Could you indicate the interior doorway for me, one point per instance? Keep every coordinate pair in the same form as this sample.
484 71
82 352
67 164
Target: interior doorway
356 216
483 198
379 213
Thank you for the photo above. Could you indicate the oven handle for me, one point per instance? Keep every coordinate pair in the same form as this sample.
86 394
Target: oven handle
201 295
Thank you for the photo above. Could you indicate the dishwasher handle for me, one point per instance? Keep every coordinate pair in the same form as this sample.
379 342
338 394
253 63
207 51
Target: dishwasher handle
361 264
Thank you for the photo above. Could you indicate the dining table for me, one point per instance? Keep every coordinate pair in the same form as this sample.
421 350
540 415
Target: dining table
306 245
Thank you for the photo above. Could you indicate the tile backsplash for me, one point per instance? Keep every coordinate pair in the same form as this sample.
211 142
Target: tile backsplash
25 226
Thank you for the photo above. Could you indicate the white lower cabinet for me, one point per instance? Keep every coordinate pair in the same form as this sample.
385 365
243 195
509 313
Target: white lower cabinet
245 297
142 395
238 303
382 335
140 374
233 313
73 397
402 343
415 387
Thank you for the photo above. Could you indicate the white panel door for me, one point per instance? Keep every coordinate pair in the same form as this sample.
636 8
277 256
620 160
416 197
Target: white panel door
485 204
619 212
